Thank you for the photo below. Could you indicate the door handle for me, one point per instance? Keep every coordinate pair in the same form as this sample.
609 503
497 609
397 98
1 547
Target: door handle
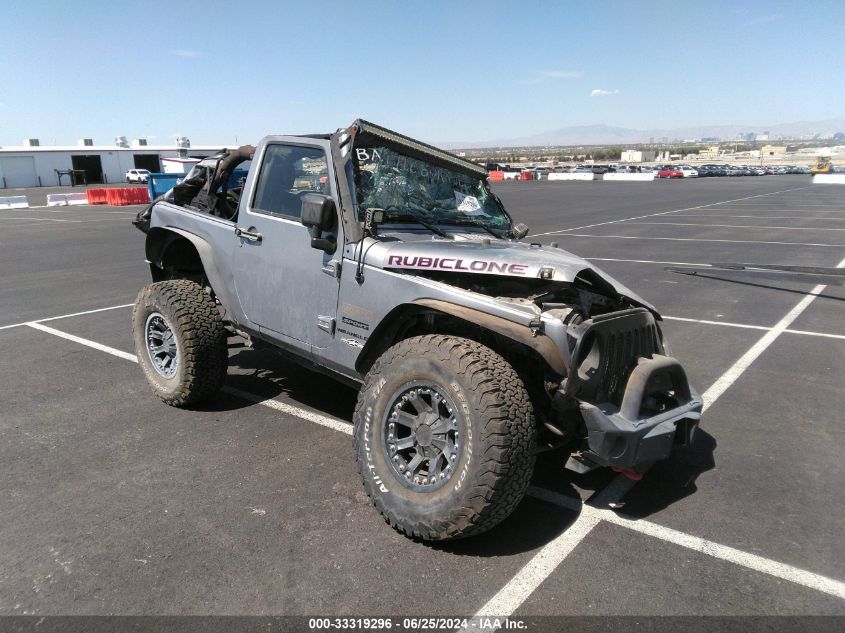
249 234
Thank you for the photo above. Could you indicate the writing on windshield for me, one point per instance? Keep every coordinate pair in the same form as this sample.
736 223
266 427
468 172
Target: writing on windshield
405 186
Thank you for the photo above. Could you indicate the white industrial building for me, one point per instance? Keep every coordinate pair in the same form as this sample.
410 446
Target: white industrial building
33 165
636 156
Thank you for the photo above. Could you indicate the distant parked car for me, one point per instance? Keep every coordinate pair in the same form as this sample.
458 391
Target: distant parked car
138 175
670 172
712 170
688 172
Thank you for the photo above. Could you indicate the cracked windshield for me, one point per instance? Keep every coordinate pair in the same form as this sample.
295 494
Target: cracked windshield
409 188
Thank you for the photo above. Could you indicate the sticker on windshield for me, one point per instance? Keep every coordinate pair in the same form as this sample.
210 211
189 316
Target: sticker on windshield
468 204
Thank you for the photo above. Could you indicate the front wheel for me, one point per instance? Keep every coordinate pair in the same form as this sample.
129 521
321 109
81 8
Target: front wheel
444 437
180 341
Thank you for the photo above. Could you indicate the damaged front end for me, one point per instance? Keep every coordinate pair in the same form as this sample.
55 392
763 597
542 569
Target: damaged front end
592 354
621 400
611 392
635 400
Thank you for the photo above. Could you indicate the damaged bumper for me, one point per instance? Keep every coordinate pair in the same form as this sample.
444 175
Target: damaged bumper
632 435
636 402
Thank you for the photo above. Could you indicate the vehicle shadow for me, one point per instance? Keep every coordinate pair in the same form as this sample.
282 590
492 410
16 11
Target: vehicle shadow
534 523
798 291
267 374
672 479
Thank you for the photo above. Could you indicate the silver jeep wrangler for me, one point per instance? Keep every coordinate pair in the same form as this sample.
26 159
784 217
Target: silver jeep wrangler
392 265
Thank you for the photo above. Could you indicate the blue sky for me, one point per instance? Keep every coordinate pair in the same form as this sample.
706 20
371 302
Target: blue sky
441 71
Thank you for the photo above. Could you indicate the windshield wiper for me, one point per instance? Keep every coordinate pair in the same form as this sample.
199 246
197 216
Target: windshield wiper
481 226
414 219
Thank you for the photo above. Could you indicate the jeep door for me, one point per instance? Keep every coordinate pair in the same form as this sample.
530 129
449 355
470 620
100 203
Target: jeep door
285 287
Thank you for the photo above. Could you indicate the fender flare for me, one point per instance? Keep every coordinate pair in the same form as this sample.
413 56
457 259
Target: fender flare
541 344
160 238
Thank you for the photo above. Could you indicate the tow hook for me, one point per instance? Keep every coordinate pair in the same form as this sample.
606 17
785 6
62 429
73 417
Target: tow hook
631 474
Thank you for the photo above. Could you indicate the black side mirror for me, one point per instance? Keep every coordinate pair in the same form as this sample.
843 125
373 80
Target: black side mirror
319 214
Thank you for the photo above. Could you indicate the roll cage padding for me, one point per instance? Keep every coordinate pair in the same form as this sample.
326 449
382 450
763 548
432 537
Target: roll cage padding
233 158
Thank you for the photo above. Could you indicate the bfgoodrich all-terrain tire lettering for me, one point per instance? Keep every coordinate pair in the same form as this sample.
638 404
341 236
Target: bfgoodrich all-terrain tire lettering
444 437
180 341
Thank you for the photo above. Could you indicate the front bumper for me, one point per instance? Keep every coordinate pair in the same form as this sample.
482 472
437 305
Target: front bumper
622 437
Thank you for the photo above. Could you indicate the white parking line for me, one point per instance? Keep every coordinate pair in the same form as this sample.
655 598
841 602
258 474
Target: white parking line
4 217
753 205
841 337
710 548
754 327
83 341
310 416
744 362
725 323
541 566
758 217
66 316
510 597
651 215
643 261
697 239
323 420
62 222
743 226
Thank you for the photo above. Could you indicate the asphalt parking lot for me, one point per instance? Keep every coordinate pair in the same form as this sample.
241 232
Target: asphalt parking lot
114 503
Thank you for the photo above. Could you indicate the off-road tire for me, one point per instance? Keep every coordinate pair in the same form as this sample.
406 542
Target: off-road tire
495 413
200 339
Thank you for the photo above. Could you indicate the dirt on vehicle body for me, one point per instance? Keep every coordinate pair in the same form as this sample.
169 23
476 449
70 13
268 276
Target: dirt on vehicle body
391 265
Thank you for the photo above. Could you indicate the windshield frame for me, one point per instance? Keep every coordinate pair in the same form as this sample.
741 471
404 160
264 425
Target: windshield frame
475 180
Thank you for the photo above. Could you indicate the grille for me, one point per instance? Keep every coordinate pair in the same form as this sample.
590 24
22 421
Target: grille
620 350
607 350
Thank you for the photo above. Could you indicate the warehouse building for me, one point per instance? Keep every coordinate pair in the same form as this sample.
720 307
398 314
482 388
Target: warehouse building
34 165
636 156
773 150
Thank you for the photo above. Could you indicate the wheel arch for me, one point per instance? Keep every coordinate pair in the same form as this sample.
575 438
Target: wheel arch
171 250
403 321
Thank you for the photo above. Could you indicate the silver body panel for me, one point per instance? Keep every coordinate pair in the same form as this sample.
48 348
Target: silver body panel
289 292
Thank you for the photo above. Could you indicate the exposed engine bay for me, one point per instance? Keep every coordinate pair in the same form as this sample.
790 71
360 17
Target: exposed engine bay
588 295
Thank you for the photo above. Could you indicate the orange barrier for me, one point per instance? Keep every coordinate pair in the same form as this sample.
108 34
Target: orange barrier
96 196
526 175
118 197
494 176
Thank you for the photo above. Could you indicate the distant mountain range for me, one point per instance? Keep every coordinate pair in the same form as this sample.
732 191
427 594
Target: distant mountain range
609 135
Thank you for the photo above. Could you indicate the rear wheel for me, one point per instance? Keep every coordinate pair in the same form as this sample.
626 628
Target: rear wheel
444 436
180 341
